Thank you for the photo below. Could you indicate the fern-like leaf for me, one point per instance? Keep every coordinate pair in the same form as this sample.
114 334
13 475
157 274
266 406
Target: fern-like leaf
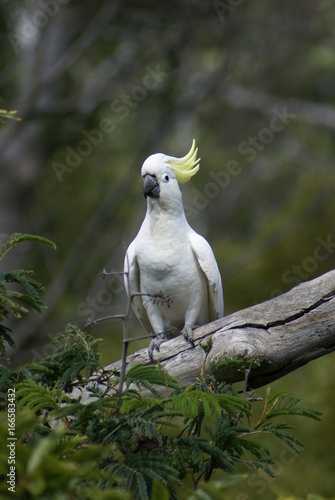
5 339
38 397
28 283
196 401
284 403
18 302
280 431
78 356
152 465
240 445
16 238
9 115
199 446
149 375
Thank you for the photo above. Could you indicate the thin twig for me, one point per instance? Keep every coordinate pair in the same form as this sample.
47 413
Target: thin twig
104 273
144 337
125 337
105 318
158 297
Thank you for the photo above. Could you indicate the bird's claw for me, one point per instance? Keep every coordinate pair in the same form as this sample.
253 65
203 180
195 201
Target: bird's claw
188 335
155 344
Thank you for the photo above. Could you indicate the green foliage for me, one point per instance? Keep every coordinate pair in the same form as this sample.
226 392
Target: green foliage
37 397
149 375
76 438
283 403
144 448
50 463
15 302
193 402
9 115
230 364
16 238
78 358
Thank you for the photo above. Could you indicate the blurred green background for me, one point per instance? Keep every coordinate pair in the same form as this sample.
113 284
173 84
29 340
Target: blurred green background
102 85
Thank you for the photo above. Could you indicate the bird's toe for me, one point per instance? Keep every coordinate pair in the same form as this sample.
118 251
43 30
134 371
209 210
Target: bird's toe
155 344
188 335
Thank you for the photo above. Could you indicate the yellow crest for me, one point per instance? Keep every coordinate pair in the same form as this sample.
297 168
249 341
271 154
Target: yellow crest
186 167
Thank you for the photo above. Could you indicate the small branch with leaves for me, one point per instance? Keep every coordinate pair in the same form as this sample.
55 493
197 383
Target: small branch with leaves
17 302
9 115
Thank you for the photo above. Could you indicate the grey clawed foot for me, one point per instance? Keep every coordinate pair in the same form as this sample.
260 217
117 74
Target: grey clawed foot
188 335
155 344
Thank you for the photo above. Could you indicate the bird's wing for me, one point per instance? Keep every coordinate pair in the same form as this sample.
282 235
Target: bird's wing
208 265
132 285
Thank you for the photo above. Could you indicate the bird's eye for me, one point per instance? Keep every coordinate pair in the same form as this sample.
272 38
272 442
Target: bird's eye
166 177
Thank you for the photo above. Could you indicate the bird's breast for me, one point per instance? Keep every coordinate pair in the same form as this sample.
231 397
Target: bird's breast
171 269
159 264
170 272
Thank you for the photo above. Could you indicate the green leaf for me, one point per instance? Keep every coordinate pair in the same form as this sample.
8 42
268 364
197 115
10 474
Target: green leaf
15 302
199 446
37 397
150 374
16 238
9 115
142 487
284 403
196 401
77 354
159 492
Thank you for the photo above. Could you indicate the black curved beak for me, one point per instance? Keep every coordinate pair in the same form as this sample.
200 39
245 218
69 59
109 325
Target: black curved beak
150 186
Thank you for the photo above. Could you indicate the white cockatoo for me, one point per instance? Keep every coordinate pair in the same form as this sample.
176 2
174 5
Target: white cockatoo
170 270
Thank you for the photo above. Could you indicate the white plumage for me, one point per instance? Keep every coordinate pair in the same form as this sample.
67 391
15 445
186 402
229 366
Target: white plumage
168 263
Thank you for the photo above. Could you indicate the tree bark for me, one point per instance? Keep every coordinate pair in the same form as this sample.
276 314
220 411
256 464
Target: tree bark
283 334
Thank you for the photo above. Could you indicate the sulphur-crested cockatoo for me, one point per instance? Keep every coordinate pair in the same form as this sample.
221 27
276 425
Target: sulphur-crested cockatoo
170 270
